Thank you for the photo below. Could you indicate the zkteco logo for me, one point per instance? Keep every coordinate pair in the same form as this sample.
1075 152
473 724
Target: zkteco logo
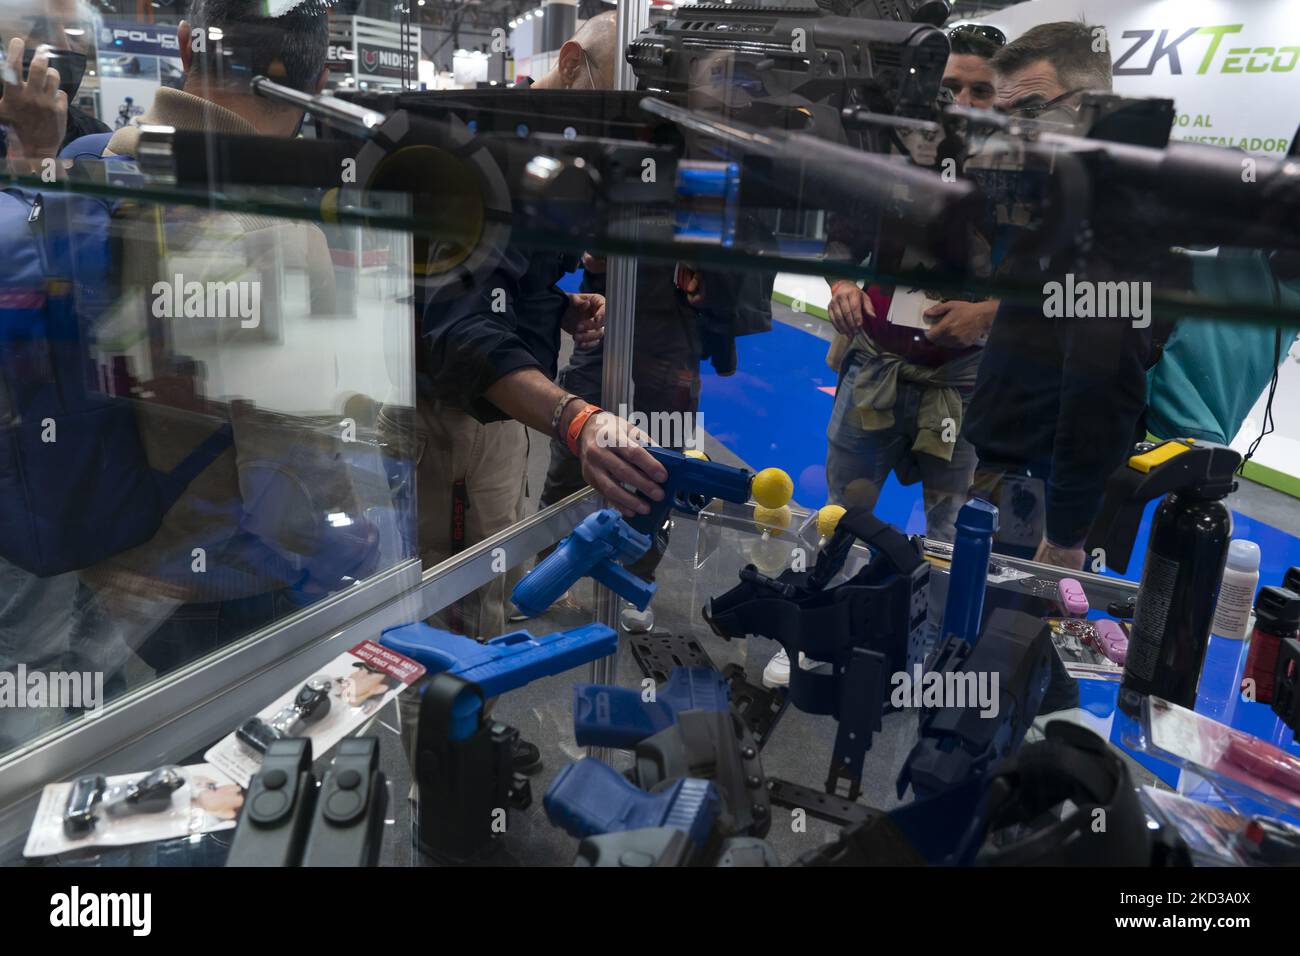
1205 53
76 909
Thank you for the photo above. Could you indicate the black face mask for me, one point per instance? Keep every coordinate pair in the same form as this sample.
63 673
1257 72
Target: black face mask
71 67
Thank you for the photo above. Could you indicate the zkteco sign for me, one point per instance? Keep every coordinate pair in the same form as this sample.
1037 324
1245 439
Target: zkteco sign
1230 67
384 62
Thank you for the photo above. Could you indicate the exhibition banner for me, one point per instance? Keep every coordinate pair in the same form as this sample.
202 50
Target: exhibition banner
1230 66
134 60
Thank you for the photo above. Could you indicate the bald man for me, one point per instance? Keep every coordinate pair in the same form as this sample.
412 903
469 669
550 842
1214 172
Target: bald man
586 61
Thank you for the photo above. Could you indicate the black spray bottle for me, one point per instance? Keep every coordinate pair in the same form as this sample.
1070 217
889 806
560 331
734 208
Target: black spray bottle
1186 552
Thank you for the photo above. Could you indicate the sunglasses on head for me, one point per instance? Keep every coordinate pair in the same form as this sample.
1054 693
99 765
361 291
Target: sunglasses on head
981 31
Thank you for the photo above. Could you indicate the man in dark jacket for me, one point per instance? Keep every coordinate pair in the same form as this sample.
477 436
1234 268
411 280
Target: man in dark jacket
1058 399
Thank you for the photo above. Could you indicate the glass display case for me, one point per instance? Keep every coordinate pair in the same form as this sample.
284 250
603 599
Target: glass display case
306 345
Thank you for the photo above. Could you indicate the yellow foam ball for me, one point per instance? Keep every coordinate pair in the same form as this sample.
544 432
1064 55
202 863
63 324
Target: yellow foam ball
828 518
772 488
775 518
696 454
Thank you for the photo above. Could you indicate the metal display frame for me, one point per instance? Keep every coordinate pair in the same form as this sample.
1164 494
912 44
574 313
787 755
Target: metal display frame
184 712
620 317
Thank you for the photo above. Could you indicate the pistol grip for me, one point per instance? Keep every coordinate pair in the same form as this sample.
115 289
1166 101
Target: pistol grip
624 583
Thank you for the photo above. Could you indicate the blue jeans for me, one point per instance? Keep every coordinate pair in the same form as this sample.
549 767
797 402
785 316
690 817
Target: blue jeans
858 462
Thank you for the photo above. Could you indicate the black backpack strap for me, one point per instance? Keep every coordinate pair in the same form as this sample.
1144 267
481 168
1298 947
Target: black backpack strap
883 537
172 484
860 524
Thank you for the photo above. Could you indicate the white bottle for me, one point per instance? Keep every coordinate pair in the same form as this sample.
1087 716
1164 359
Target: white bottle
1237 592
1221 668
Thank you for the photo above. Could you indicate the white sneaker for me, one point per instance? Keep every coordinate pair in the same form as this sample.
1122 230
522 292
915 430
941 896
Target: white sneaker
637 622
777 671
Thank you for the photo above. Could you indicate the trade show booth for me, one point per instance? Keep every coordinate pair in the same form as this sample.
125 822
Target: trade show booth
851 433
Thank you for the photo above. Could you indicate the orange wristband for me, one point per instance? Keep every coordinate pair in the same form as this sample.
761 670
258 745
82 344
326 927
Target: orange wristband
839 282
576 426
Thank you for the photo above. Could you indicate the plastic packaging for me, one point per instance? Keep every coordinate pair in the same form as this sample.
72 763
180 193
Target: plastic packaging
1226 757
126 809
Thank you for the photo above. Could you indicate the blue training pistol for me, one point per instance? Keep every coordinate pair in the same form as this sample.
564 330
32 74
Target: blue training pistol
691 484
589 798
606 716
504 663
598 547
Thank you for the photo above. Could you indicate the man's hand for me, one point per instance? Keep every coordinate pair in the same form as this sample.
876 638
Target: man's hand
694 289
960 324
584 319
849 308
1059 556
592 263
611 455
35 110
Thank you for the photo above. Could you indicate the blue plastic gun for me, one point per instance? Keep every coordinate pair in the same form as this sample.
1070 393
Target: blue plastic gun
503 663
606 716
597 547
692 483
963 614
589 798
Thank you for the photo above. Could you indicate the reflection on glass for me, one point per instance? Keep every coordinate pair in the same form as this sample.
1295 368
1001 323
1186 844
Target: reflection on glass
288 339
191 401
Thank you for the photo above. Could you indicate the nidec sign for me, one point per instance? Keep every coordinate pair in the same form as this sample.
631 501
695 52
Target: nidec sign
1199 50
338 56
384 62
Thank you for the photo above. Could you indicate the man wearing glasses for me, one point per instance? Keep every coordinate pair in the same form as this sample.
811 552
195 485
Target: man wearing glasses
1057 401
1043 74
